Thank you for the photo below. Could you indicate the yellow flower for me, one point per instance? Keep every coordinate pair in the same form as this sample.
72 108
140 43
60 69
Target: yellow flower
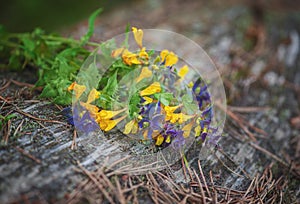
169 58
130 58
138 36
155 67
108 114
91 108
163 54
93 95
183 71
168 140
145 135
143 54
197 131
187 129
131 127
183 118
147 100
78 89
107 125
145 73
159 140
117 52
191 84
180 117
152 89
169 111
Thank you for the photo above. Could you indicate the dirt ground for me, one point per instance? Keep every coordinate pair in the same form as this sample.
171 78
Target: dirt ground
256 49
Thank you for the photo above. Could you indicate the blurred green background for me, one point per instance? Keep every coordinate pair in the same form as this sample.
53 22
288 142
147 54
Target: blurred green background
51 15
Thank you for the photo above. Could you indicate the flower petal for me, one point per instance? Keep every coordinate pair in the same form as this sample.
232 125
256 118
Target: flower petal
183 71
107 114
78 89
145 73
197 131
163 55
148 100
130 58
138 36
107 125
93 95
152 89
143 54
168 139
117 52
187 129
91 108
131 126
171 59
159 140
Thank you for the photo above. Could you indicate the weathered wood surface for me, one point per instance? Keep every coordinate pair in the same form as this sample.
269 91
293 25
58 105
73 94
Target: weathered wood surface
38 161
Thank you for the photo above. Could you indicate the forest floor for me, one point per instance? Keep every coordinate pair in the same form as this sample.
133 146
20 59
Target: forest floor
256 50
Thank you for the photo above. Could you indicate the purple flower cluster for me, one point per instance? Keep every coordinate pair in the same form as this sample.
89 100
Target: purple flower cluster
155 121
204 103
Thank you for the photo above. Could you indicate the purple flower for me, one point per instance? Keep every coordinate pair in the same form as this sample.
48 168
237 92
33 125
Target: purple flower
156 120
179 140
203 94
67 112
81 119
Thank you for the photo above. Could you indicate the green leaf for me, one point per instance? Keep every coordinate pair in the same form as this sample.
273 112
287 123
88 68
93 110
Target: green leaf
164 98
112 85
187 98
48 92
133 104
127 31
84 39
89 76
188 103
185 160
15 61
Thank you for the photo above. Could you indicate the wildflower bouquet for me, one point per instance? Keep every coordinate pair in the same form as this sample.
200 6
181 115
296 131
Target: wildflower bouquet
147 93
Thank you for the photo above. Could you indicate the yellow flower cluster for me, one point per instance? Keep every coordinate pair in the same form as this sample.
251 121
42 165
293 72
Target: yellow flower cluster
103 117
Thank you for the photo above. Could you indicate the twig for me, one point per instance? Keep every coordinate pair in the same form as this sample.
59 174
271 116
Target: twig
5 86
119 192
238 166
268 153
74 144
201 188
203 177
134 191
19 127
22 83
215 198
7 132
238 120
28 155
248 109
168 179
39 119
96 182
183 168
151 178
227 166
